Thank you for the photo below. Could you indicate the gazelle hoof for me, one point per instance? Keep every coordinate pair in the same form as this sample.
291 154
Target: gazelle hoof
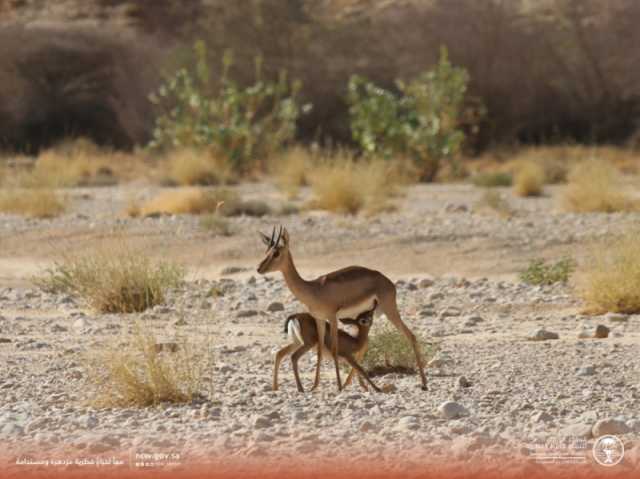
424 388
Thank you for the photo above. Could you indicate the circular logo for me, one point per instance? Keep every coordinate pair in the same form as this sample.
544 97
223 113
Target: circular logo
608 451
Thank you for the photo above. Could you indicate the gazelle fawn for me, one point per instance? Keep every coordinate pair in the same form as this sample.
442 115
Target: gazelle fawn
302 330
340 294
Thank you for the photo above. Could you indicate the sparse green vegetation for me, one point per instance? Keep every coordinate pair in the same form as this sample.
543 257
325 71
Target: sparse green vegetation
113 280
492 179
389 351
540 272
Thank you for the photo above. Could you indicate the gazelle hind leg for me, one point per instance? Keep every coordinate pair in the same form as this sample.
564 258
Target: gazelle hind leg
321 327
390 309
280 355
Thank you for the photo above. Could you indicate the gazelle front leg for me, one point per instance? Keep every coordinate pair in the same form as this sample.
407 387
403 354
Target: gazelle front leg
359 356
320 326
333 321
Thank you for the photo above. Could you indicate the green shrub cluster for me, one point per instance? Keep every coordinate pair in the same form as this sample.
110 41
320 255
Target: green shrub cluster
246 124
423 122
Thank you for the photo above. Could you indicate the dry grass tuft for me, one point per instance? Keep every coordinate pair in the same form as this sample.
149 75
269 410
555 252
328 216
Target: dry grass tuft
291 170
343 185
529 179
113 280
595 186
389 351
139 373
494 202
199 201
216 224
185 201
191 167
492 179
610 278
33 202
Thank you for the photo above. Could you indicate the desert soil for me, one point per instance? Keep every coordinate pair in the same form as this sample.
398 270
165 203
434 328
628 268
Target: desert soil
456 267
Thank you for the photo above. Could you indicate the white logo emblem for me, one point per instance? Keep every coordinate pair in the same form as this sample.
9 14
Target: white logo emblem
608 451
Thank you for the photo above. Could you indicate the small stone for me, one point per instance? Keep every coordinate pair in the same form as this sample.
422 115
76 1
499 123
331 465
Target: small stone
80 323
367 426
451 410
229 270
601 332
5 340
275 307
609 426
463 382
586 371
246 313
426 282
541 417
261 422
180 322
542 335
408 423
168 347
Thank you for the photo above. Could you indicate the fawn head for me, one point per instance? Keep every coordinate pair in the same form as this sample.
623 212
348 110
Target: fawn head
364 319
277 251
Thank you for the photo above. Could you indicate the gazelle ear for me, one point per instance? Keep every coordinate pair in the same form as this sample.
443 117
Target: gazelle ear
285 237
265 239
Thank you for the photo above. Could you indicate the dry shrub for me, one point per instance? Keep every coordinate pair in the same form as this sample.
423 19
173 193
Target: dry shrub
595 186
216 224
610 278
113 280
389 351
194 201
492 179
494 202
189 167
76 163
199 201
138 373
291 169
33 202
343 185
528 179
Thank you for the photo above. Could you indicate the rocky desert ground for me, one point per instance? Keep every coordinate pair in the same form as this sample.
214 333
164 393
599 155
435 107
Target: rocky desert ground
502 392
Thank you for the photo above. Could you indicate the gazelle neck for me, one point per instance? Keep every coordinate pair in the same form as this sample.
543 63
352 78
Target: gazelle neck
363 335
297 285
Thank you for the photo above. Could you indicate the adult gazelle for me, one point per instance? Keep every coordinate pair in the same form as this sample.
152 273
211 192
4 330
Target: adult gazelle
344 293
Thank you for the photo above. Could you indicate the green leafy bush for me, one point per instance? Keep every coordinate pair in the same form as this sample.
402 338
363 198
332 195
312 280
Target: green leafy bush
540 273
244 124
422 123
